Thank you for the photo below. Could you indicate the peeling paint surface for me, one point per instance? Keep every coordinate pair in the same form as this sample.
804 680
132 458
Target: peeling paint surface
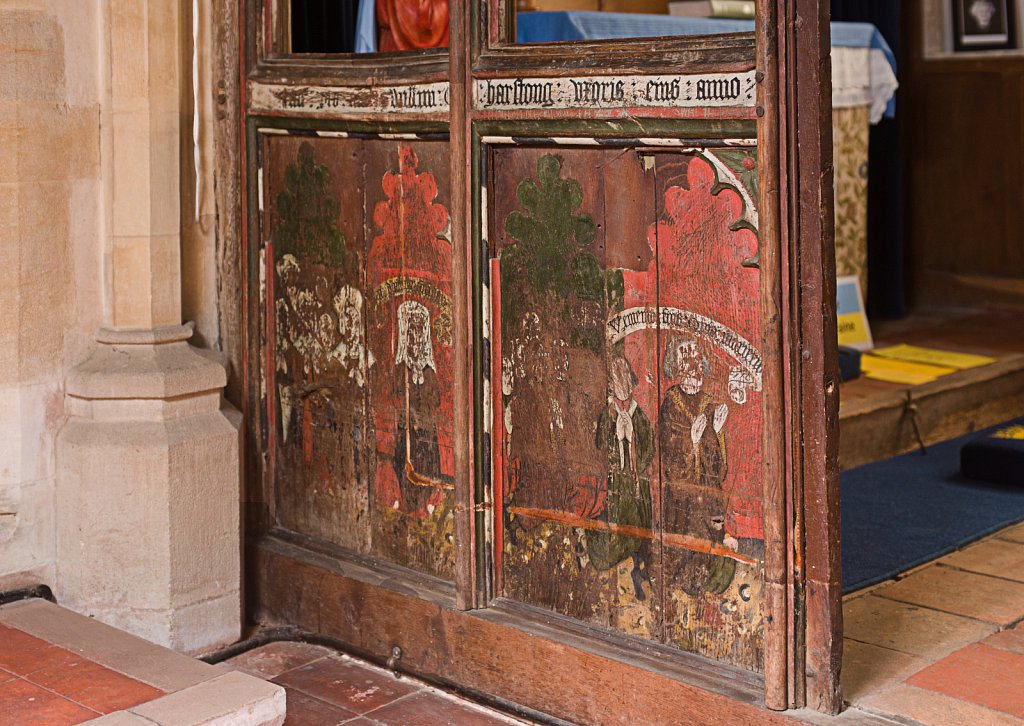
629 449
362 345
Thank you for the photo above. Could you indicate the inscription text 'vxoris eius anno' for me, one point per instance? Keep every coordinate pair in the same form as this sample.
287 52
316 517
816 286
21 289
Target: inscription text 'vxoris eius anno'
713 89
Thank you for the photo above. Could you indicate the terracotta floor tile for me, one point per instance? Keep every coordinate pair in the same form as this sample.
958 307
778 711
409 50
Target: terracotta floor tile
978 674
934 709
92 685
991 557
273 659
1011 640
26 704
1013 534
304 710
870 668
346 684
22 653
431 709
909 629
962 593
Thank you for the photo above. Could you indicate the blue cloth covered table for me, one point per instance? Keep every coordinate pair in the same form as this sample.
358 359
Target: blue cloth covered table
546 27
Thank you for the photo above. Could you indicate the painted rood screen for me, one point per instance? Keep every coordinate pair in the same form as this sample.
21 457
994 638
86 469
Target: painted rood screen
626 415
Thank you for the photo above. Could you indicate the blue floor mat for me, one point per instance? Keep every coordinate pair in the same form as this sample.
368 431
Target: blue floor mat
905 511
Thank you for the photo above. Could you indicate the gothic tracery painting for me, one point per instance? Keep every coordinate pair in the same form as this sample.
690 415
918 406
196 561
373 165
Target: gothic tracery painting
629 422
362 345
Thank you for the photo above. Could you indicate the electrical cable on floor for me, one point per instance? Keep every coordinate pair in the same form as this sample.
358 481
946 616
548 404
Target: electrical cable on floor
27 593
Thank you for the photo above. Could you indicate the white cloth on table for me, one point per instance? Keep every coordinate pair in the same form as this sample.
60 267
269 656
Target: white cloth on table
862 77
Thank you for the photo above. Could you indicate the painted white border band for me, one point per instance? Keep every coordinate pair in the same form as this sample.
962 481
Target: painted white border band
615 92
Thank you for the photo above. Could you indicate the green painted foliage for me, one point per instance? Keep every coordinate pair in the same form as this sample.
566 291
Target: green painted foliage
743 163
307 214
551 255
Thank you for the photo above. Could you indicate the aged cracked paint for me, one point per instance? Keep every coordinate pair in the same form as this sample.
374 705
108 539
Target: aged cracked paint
630 407
362 346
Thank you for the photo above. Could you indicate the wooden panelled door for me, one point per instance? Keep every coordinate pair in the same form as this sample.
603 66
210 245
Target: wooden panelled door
537 370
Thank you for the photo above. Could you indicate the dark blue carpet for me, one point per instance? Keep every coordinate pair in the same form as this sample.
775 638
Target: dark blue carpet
904 511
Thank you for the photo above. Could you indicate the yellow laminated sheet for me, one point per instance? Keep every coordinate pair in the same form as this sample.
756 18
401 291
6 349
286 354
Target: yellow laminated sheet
933 357
900 371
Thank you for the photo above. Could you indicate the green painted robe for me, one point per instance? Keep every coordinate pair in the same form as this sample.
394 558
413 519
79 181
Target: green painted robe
629 485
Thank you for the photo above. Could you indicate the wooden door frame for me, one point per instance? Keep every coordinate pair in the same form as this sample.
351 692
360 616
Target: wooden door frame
808 234
794 136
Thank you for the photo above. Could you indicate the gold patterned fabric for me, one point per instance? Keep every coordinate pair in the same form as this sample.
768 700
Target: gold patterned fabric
850 156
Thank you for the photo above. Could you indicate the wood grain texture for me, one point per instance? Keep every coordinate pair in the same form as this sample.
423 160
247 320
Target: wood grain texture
881 426
874 418
610 288
964 169
359 348
470 565
819 394
497 650
771 135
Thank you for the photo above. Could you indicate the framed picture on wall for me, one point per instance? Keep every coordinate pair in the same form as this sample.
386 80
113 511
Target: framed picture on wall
983 24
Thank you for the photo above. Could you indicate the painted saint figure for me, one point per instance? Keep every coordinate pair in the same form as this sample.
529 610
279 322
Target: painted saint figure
694 466
417 459
351 351
624 433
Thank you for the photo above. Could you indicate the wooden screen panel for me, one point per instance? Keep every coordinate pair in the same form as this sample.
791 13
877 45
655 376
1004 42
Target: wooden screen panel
361 345
316 241
619 272
578 443
553 304
709 420
409 329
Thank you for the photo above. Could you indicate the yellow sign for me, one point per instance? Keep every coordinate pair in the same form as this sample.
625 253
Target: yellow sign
850 318
899 371
932 356
1010 432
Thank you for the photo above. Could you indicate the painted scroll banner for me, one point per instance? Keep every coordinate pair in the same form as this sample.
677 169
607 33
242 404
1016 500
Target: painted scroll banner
418 98
612 92
667 318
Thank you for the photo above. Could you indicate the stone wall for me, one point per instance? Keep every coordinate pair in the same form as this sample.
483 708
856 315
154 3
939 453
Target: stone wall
50 255
119 462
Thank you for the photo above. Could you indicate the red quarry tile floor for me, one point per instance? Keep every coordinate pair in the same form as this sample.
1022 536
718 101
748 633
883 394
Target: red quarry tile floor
326 688
1011 640
979 674
41 683
943 644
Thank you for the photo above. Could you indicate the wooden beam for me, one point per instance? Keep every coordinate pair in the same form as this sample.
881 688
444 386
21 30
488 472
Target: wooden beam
813 252
771 143
601 678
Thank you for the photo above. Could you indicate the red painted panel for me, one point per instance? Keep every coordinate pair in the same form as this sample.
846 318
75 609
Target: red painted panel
360 356
630 461
408 280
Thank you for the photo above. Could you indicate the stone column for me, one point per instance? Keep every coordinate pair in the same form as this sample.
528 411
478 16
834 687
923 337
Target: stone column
148 488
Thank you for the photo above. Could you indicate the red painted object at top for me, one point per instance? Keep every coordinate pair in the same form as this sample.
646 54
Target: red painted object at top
412 24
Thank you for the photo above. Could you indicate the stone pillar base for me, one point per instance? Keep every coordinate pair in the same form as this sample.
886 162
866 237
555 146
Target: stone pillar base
148 492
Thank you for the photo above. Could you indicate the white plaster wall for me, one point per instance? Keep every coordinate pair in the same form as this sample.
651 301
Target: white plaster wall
50 232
